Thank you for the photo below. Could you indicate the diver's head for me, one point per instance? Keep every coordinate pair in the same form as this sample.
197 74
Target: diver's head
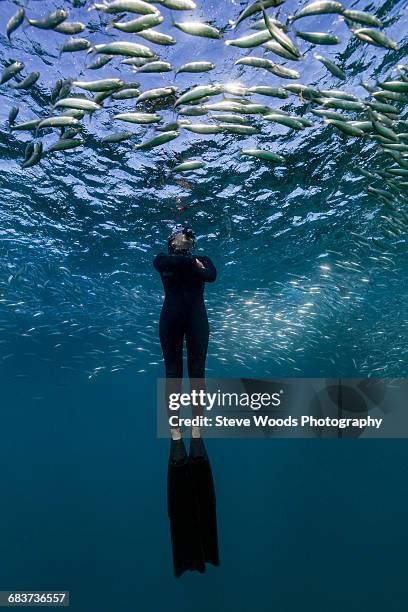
182 240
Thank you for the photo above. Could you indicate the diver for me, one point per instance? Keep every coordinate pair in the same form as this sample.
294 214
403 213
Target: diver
183 313
191 500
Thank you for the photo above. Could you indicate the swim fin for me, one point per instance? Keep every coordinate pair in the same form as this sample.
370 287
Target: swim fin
191 508
203 483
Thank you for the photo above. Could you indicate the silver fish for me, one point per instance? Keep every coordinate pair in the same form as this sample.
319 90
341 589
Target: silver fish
100 62
126 94
197 28
100 96
50 21
280 36
261 62
235 89
70 27
192 111
27 125
229 106
342 104
196 67
136 62
264 155
157 141
79 103
331 66
173 126
65 88
125 48
384 131
381 107
13 115
179 5
319 38
290 122
384 96
243 130
363 17
338 93
15 22
274 47
139 24
188 165
251 40
318 8
265 90
75 44
64 144
10 71
29 150
117 137
141 118
304 91
203 128
345 127
197 93
157 38
60 121
125 6
365 126
70 132
375 37
256 7
395 86
327 114
101 85
260 24
35 156
28 82
153 94
157 66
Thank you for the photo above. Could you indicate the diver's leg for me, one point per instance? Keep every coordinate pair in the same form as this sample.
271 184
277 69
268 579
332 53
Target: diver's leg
197 334
171 340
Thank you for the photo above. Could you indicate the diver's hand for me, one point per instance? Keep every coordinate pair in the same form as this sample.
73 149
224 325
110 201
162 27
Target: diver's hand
199 263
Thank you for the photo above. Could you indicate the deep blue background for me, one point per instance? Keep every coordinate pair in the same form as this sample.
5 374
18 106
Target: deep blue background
303 524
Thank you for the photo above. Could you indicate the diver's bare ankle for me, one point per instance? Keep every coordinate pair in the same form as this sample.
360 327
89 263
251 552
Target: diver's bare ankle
175 433
196 432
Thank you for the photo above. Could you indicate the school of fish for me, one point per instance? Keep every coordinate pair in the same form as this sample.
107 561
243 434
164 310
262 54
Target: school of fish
269 99
222 107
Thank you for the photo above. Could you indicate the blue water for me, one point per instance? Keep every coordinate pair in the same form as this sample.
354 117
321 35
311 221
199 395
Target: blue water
302 291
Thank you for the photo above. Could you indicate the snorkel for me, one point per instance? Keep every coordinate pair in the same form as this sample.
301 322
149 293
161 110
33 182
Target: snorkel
181 241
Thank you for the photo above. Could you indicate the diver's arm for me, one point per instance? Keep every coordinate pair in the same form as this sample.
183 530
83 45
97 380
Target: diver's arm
207 271
158 261
171 263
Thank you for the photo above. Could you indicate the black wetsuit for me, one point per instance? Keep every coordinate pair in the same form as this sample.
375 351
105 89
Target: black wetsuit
183 313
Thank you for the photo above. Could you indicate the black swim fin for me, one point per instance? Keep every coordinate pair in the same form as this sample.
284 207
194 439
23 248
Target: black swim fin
203 483
191 508
181 504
